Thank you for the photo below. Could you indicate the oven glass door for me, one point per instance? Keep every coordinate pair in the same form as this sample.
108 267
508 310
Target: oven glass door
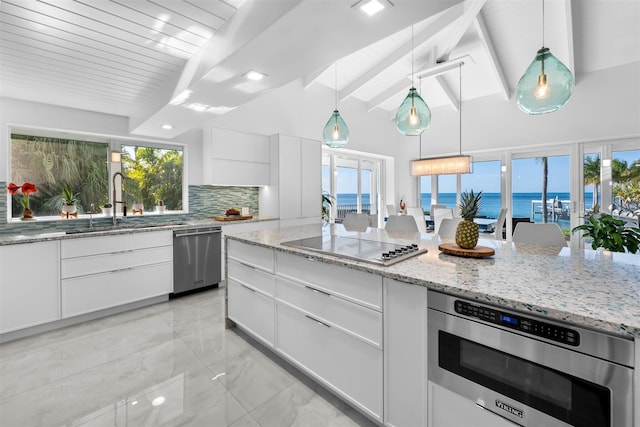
572 400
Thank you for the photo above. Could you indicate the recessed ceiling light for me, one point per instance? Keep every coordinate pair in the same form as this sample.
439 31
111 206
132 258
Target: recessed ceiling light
167 126
198 107
158 401
372 7
254 75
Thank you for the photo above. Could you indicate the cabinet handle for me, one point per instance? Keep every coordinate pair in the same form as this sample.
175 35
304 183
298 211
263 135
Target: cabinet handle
246 287
318 291
317 321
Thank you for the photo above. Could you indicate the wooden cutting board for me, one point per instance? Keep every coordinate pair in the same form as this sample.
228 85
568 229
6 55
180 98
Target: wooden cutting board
477 252
232 217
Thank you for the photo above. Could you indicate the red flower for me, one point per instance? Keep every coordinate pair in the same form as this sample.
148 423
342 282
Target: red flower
28 188
13 189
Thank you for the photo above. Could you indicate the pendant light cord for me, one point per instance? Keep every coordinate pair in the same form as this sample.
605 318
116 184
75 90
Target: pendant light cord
336 81
460 108
412 56
420 136
542 23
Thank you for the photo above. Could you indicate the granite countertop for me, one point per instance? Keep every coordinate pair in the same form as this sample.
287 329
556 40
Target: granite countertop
126 228
593 289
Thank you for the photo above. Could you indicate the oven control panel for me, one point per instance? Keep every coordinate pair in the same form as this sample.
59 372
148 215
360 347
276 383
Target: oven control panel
515 321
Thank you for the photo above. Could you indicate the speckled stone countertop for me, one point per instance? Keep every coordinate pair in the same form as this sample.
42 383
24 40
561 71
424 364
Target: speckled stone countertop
120 229
594 289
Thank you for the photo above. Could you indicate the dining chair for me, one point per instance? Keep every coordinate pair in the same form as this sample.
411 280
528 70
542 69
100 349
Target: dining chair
401 223
439 215
502 217
418 214
542 234
434 207
448 228
391 210
355 221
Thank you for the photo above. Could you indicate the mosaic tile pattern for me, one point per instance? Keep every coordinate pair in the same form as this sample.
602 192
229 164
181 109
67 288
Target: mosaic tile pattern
205 201
595 289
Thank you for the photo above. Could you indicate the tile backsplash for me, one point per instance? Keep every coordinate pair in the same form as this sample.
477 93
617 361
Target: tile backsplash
205 201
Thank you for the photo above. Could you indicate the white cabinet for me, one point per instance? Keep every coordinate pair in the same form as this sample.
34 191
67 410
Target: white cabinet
296 180
448 409
235 158
107 271
250 289
242 227
29 285
405 354
329 323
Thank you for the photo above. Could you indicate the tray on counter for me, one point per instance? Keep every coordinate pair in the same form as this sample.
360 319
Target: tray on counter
477 252
232 217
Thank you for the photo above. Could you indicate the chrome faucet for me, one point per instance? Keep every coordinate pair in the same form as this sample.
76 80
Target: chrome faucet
124 199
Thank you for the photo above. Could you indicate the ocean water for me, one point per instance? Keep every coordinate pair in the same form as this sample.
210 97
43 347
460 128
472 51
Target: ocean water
490 202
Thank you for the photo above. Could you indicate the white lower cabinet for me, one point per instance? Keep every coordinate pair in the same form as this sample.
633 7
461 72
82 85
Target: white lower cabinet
252 310
347 365
448 409
107 271
29 285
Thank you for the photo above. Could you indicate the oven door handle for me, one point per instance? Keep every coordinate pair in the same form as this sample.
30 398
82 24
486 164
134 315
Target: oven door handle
480 404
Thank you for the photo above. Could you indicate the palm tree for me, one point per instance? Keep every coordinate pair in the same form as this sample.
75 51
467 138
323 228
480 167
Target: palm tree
592 176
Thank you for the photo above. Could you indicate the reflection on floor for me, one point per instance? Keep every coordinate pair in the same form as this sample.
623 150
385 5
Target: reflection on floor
172 364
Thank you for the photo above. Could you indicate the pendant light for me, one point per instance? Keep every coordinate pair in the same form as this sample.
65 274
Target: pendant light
414 115
336 132
546 85
447 165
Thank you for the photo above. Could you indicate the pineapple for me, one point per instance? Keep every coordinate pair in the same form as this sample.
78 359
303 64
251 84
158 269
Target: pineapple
467 232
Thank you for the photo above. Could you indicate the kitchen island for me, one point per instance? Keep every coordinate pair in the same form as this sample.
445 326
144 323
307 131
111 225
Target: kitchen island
595 290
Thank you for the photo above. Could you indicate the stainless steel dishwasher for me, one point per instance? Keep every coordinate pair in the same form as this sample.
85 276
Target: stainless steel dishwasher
196 259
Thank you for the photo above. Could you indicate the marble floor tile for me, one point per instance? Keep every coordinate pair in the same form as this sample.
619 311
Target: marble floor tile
171 364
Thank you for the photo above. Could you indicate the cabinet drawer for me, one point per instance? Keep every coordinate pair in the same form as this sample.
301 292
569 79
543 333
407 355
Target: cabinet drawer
86 246
252 277
73 267
357 286
253 255
355 319
85 294
251 310
347 365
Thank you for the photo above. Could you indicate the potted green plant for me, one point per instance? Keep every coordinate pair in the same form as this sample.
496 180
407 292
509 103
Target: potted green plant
610 233
160 206
106 209
68 201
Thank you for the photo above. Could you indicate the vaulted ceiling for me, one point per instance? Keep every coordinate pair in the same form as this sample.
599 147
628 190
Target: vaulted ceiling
155 60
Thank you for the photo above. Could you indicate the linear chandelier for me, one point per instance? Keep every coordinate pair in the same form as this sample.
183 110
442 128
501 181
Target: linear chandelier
446 165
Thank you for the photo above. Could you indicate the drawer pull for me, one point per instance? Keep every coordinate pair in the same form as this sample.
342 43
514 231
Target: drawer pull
246 287
318 291
317 321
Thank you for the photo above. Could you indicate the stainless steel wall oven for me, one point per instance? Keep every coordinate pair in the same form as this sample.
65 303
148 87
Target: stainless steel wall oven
528 369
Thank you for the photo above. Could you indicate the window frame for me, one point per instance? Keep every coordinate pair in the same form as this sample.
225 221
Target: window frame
114 143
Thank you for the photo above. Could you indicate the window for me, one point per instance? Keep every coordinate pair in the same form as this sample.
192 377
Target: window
625 170
153 175
53 163
486 178
591 172
52 160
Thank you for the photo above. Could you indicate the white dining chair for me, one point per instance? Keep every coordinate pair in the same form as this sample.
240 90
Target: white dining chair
434 207
418 214
356 221
542 234
439 215
391 210
448 228
401 223
500 223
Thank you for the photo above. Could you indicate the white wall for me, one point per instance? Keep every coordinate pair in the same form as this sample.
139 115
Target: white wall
27 114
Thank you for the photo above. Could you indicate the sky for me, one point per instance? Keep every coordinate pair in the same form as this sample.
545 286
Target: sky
526 176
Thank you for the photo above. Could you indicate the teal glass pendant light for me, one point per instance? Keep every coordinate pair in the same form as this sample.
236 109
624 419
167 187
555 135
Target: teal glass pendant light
414 115
336 132
546 85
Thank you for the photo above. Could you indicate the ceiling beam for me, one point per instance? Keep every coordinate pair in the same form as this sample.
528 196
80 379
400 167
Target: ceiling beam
569 26
388 93
310 78
471 10
496 68
444 20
